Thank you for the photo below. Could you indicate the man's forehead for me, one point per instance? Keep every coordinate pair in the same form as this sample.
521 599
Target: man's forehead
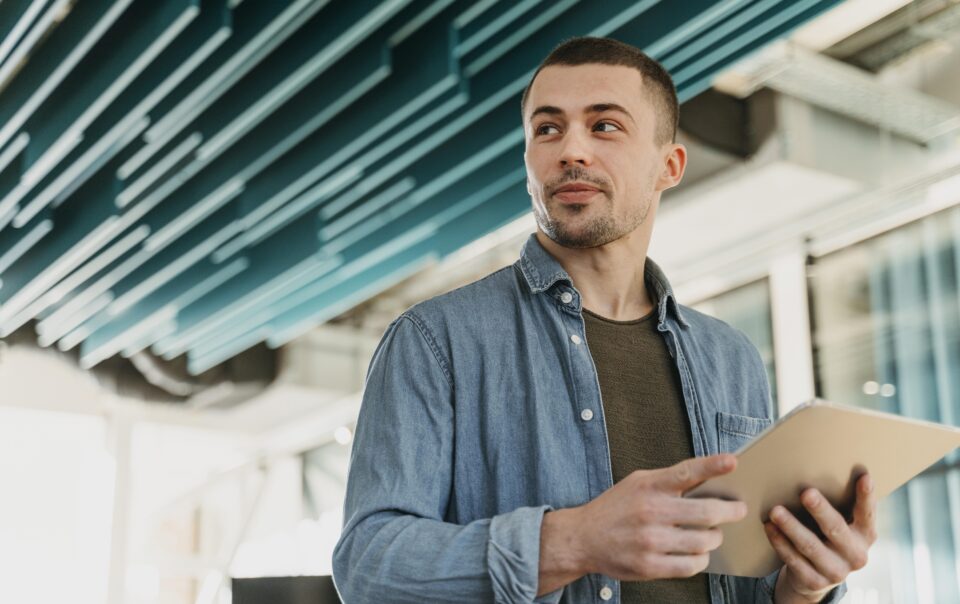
580 88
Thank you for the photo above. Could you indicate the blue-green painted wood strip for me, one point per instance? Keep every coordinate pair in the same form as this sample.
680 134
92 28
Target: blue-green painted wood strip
302 59
198 281
47 20
30 236
473 37
394 225
473 11
423 71
732 20
361 211
139 36
258 28
490 19
165 215
413 154
117 251
80 163
474 224
422 76
161 269
441 168
50 65
43 266
349 79
289 280
694 82
535 39
16 19
291 246
446 207
689 21
760 27
375 259
123 278
204 33
208 70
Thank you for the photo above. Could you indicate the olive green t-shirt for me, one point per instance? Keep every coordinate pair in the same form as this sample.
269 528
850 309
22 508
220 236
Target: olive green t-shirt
646 421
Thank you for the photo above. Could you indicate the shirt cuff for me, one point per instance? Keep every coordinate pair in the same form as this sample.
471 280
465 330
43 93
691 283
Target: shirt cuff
513 556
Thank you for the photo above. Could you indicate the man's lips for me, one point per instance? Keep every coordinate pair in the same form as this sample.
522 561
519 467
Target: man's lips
575 193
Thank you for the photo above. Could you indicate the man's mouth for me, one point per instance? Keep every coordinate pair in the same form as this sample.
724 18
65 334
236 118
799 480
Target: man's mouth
574 193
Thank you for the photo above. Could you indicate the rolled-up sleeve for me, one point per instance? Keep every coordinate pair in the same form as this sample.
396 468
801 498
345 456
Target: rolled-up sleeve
395 546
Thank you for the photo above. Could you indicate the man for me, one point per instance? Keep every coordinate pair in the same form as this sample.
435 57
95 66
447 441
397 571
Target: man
485 467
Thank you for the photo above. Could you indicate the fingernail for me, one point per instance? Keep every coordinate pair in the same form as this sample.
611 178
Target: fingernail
776 513
812 497
868 483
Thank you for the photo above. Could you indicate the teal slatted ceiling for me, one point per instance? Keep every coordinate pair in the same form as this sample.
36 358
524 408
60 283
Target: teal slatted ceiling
198 176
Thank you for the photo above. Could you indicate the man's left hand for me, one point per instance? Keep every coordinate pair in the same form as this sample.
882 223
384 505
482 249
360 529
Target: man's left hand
812 566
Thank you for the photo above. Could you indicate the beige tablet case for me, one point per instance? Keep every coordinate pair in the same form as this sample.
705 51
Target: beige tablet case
822 445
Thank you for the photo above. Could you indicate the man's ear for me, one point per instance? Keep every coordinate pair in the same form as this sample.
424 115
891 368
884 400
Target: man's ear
529 188
674 165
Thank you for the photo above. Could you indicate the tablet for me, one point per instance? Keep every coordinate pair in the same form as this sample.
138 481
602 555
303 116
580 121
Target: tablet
823 445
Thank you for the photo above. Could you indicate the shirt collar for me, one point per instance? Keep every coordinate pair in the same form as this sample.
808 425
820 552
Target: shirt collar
542 271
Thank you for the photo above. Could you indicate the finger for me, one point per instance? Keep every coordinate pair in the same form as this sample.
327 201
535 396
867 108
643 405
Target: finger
826 561
679 541
691 472
835 528
798 564
701 513
865 509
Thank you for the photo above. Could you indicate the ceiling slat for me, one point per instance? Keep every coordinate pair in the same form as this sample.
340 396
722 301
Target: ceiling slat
195 177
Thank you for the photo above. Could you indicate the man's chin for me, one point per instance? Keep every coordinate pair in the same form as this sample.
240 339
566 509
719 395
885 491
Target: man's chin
580 240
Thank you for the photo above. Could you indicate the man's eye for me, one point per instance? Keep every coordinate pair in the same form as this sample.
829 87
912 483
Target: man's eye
613 127
545 129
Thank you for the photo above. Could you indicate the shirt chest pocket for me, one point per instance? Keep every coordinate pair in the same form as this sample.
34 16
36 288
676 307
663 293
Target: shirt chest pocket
737 430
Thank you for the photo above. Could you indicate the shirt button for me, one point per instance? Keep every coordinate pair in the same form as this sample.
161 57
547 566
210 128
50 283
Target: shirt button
575 339
566 297
606 593
586 415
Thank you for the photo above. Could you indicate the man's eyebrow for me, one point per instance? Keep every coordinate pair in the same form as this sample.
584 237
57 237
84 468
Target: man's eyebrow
602 107
595 108
546 109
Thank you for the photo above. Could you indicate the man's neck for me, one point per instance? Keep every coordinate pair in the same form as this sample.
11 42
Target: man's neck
610 277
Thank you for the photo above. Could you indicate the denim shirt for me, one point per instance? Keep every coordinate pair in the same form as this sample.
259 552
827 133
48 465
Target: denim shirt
473 425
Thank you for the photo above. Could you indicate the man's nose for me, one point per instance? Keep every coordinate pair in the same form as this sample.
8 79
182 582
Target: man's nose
575 150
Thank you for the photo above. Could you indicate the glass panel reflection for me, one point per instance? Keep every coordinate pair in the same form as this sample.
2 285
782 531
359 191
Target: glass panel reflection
886 317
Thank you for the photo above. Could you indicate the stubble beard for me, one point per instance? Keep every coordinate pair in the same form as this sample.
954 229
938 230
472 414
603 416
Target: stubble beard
599 230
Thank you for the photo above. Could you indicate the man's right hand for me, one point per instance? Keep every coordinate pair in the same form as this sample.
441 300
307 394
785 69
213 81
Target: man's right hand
640 529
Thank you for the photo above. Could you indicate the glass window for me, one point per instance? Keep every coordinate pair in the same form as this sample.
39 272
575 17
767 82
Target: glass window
748 309
886 322
56 508
324 487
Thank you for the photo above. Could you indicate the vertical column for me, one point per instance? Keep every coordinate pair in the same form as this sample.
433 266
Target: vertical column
119 430
792 343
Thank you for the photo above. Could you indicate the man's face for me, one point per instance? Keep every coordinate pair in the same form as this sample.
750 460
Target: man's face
594 168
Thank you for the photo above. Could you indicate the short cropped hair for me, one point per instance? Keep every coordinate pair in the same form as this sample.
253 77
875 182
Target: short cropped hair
604 51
